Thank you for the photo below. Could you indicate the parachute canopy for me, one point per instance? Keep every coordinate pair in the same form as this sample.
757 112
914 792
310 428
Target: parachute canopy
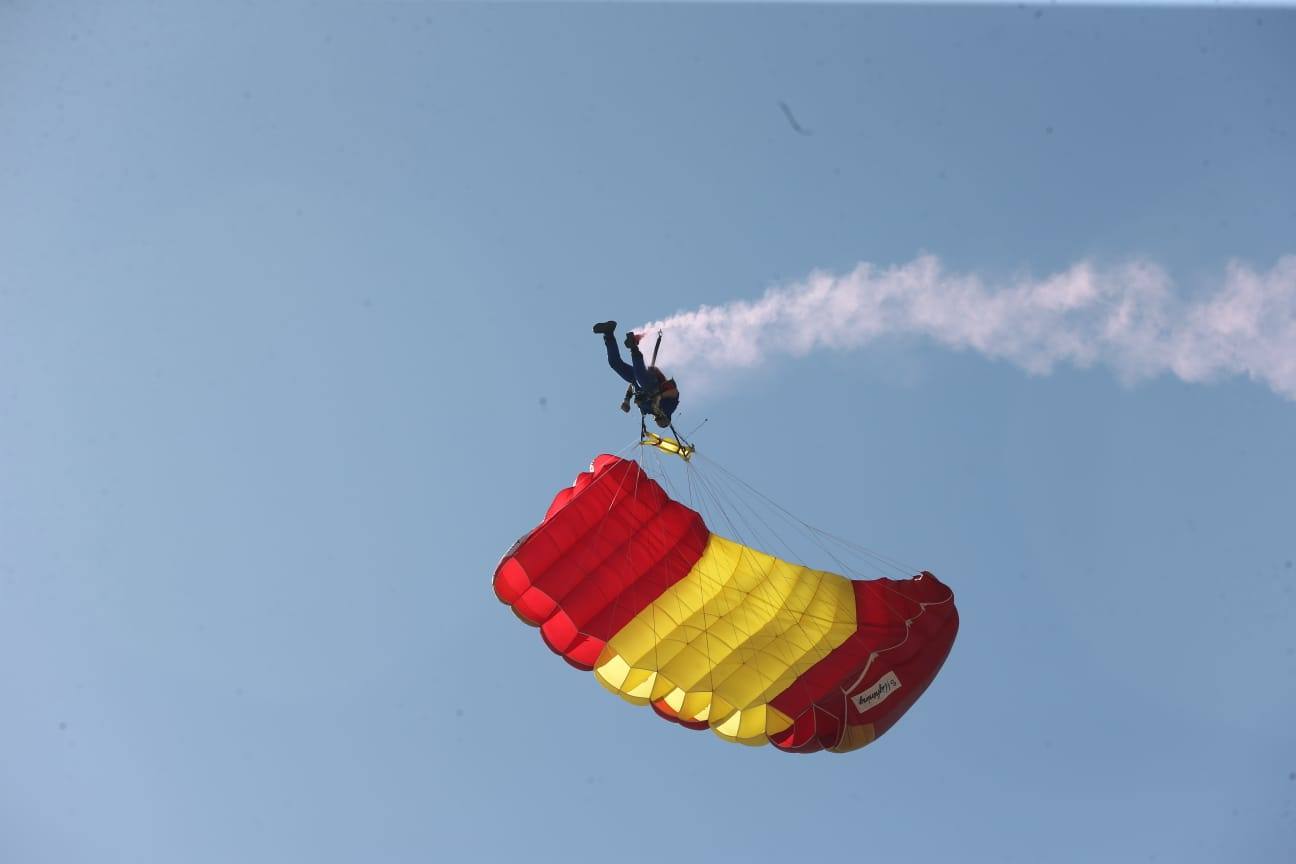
632 585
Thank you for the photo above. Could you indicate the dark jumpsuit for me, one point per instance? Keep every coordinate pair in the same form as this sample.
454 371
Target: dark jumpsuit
643 378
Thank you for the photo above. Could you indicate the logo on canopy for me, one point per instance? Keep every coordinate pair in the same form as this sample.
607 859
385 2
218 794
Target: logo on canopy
873 696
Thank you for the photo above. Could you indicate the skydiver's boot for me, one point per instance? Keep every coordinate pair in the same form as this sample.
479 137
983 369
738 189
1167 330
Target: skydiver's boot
606 328
632 341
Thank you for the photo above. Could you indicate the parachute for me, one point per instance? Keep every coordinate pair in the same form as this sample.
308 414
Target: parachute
627 583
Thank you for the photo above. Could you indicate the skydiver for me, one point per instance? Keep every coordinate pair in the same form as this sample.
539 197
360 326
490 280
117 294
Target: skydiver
654 393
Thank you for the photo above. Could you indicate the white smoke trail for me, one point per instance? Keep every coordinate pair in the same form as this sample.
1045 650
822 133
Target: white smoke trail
1128 318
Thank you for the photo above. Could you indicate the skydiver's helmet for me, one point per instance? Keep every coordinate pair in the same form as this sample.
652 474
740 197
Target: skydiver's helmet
662 420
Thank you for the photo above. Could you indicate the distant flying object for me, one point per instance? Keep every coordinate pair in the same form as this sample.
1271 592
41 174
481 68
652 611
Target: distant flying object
787 112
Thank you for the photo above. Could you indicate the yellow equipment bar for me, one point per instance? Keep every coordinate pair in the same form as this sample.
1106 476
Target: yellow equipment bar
668 445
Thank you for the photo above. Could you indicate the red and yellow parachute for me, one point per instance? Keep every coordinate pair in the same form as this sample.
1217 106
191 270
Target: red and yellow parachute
632 585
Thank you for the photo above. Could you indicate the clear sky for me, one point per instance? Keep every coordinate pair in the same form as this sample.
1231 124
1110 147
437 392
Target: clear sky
294 342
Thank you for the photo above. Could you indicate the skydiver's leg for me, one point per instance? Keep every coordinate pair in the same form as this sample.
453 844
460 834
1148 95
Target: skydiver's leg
622 368
643 379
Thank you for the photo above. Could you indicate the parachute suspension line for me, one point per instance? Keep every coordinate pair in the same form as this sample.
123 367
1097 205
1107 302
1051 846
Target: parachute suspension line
886 589
793 554
743 649
895 564
653 608
748 651
702 599
863 551
802 623
866 555
810 535
796 556
752 534
624 452
720 504
816 536
650 619
875 560
702 605
694 430
698 502
719 492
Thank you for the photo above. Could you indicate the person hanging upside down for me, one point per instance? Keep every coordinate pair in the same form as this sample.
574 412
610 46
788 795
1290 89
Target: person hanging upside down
654 393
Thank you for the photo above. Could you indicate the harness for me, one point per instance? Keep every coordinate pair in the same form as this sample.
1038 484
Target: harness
664 390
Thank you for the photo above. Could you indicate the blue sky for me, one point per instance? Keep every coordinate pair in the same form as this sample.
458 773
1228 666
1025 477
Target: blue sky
294 342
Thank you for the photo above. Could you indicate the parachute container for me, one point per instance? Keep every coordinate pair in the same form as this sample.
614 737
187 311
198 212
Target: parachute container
713 634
